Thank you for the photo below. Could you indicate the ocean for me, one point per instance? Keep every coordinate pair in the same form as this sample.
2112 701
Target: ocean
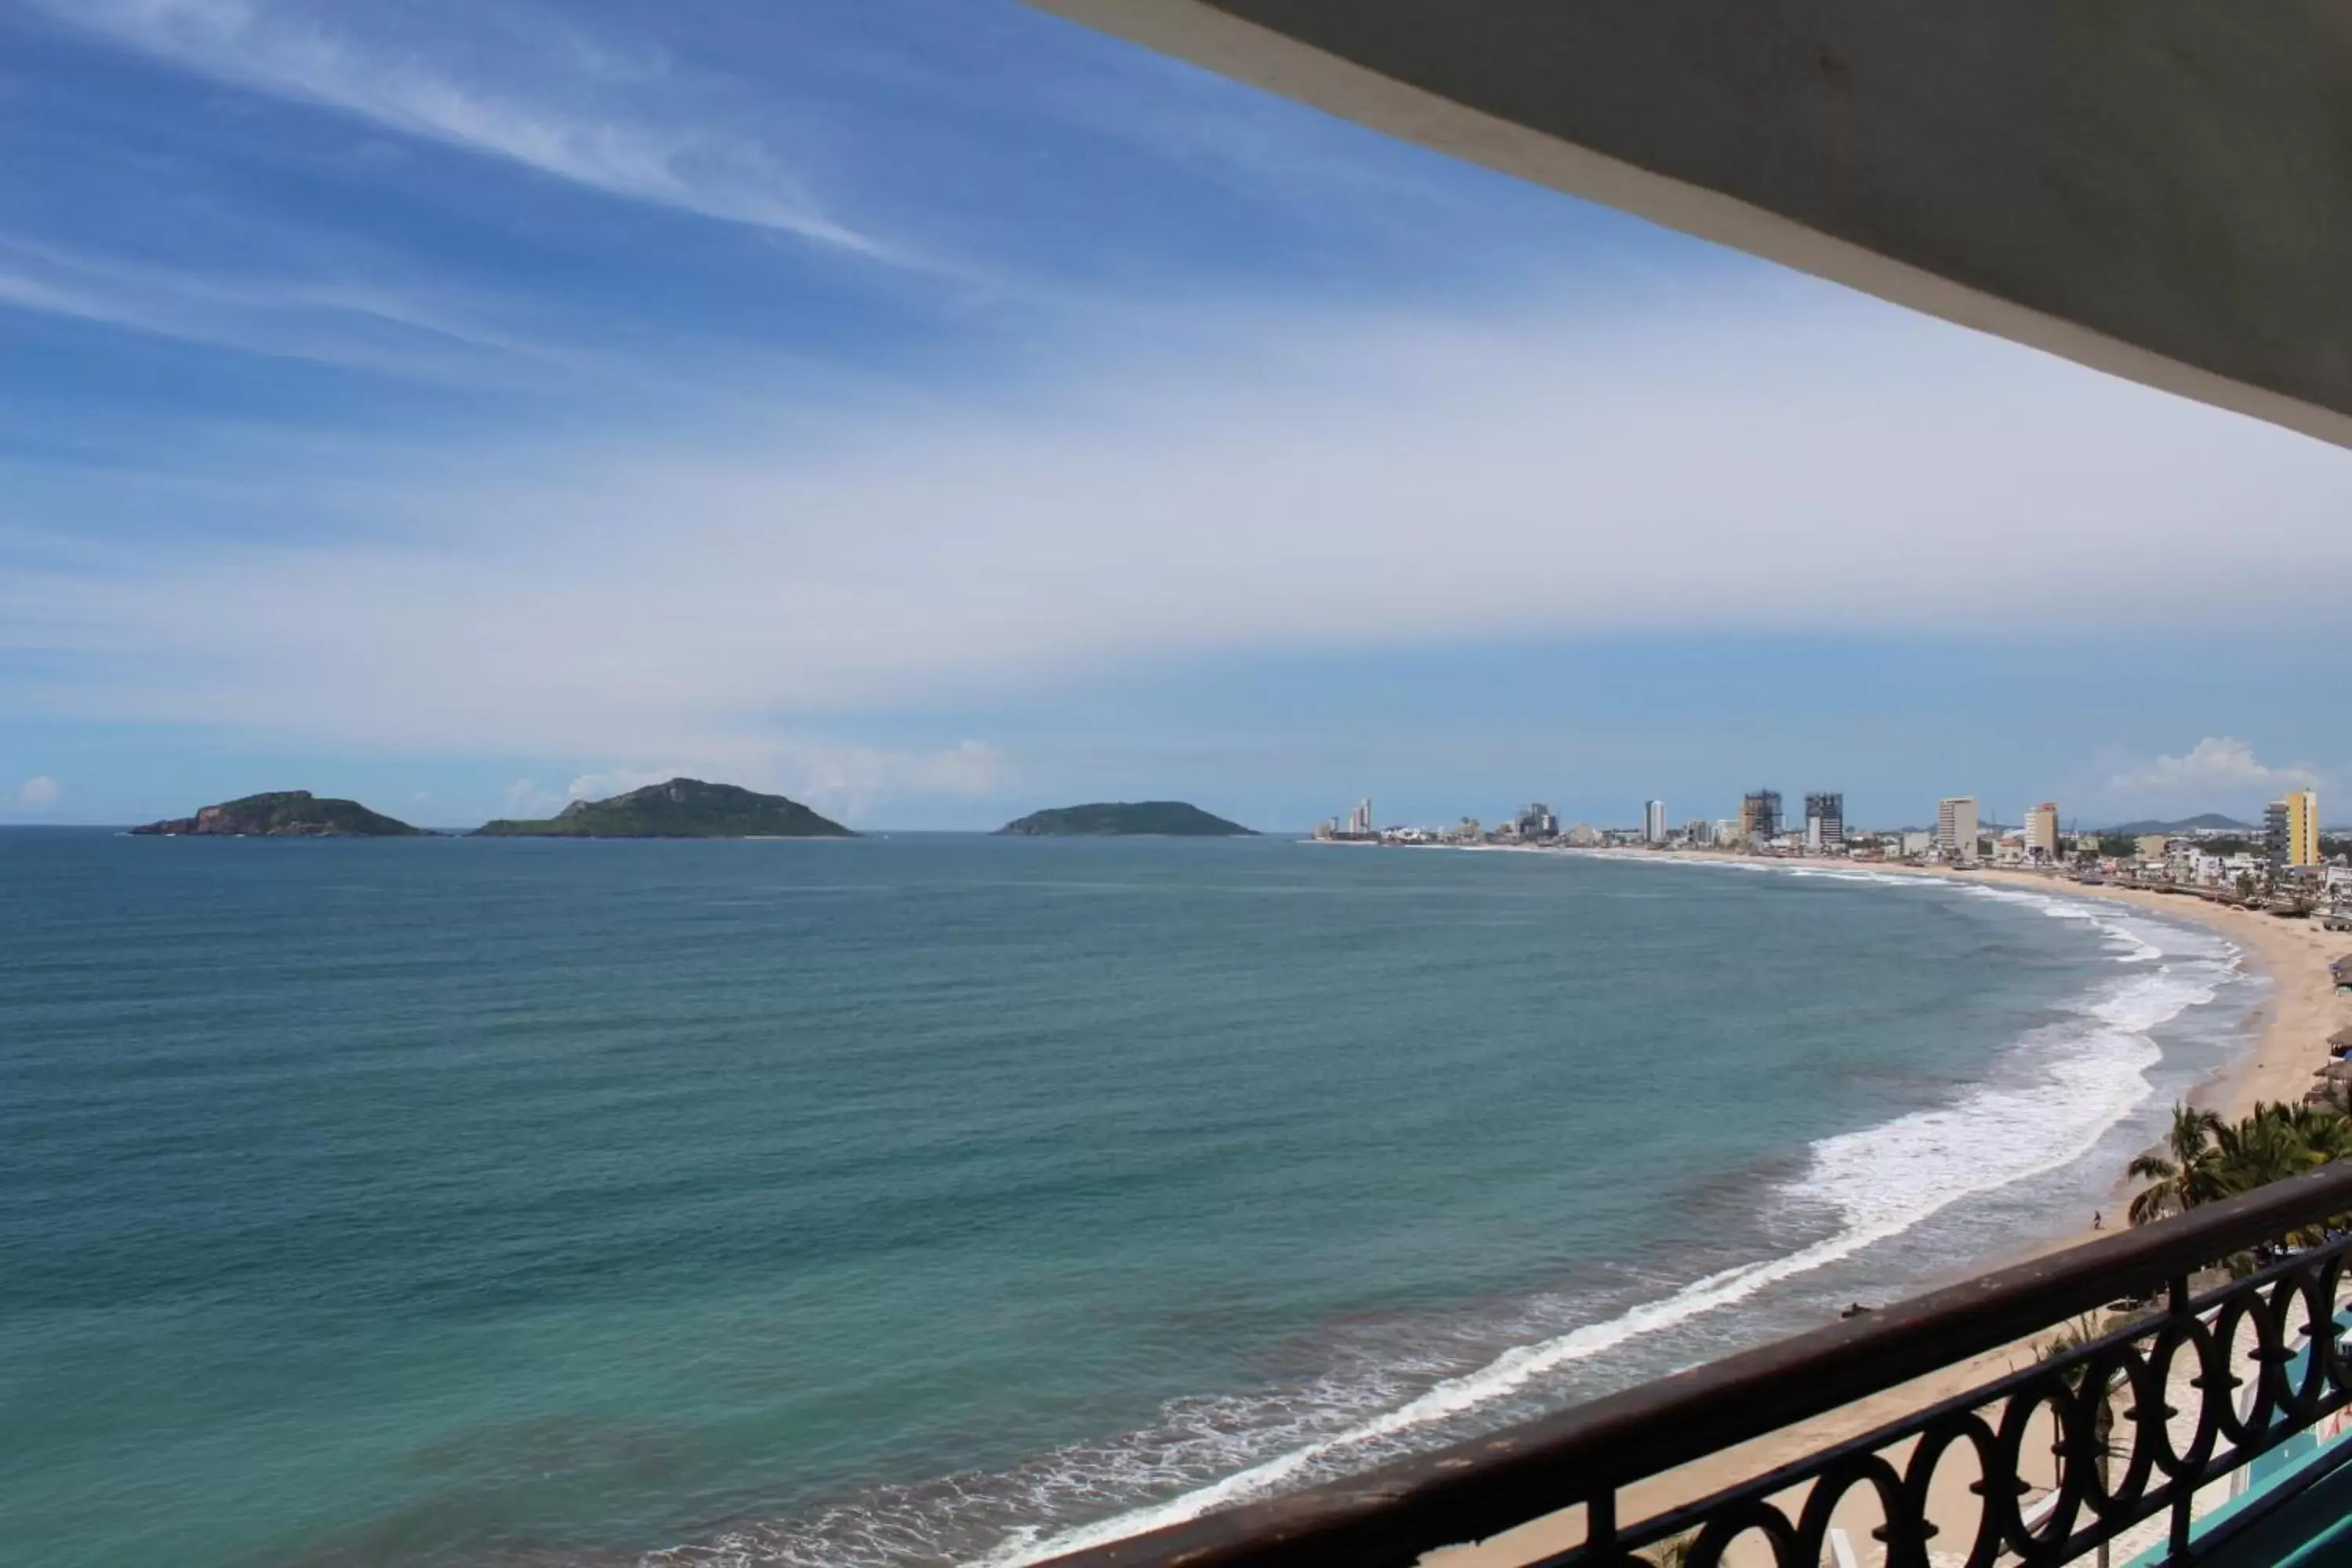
941 1198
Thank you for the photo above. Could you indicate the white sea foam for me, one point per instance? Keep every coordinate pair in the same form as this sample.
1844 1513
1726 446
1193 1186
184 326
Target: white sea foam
2048 1104
2082 1079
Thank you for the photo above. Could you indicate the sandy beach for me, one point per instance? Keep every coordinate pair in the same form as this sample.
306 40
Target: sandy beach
2286 1043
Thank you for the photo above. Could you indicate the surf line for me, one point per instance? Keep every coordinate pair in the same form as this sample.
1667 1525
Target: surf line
2052 1149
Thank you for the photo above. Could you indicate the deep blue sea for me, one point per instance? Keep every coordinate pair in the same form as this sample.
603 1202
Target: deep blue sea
942 1198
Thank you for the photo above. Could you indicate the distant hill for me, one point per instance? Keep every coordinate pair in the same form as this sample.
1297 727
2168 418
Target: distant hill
682 808
2211 822
285 814
1174 818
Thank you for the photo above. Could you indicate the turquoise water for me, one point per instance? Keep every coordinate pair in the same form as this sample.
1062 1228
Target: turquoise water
932 1198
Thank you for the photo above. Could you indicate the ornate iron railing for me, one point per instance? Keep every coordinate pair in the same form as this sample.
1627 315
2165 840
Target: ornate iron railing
2098 1420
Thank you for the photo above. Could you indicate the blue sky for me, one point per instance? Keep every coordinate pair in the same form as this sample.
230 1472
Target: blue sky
933 411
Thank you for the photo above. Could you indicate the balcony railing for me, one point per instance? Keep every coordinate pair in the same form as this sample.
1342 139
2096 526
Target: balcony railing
2111 1434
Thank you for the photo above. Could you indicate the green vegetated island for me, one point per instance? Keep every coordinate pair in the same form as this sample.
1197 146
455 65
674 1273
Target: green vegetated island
1172 819
285 814
682 808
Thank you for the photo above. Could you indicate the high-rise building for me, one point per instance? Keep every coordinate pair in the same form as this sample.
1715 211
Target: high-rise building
2041 833
1956 828
1653 821
2291 827
1699 832
1759 815
1536 821
1825 822
1360 819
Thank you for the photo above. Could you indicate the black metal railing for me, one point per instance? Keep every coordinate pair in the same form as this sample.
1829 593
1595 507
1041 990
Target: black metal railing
2097 1420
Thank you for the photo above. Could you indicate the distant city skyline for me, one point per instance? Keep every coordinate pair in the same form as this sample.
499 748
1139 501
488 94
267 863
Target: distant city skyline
936 416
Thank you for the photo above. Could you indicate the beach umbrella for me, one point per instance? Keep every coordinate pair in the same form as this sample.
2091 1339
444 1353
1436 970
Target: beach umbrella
2340 1043
2337 1072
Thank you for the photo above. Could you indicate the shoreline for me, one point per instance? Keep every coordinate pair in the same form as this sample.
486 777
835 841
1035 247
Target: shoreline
2283 1040
2249 1031
2286 1036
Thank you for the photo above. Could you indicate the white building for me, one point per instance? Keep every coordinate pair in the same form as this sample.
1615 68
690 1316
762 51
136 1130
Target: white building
1360 819
1956 828
1653 821
1699 833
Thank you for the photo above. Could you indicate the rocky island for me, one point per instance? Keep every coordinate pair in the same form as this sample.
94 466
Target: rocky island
1105 819
285 814
682 808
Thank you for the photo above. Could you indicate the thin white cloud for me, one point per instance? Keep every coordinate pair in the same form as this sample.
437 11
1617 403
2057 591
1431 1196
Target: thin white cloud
38 793
299 52
856 780
356 310
1287 483
2217 770
527 802
293 324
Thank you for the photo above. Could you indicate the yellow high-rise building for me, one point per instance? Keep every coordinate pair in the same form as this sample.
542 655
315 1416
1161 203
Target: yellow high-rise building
2041 832
2293 829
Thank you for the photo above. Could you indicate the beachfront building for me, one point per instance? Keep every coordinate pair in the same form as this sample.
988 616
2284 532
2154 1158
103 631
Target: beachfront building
1699 833
1360 819
1653 821
2041 833
1825 822
2290 829
1760 816
1534 824
1956 829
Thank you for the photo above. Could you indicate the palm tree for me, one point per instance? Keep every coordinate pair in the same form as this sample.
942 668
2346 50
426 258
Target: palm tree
2192 1174
2266 1147
2324 1128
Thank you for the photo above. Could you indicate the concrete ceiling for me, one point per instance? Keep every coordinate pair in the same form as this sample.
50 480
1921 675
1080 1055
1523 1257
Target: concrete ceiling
2161 189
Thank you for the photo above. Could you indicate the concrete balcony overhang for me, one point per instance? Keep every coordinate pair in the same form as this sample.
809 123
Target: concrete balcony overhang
2161 189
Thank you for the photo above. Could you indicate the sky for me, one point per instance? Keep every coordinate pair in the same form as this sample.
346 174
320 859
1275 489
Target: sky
933 411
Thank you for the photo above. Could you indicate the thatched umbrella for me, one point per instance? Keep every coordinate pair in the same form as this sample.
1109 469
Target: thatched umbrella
2330 1090
2339 1044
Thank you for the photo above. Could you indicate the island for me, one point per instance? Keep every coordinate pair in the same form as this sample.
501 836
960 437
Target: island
285 813
1103 819
682 808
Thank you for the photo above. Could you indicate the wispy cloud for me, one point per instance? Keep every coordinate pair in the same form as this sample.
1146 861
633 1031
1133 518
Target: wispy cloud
344 60
38 793
2217 769
345 324
1288 484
